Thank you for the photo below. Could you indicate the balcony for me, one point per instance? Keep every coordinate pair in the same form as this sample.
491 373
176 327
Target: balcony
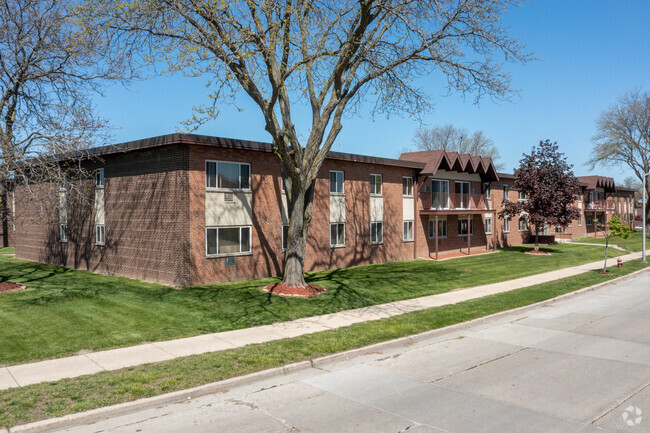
444 201
599 205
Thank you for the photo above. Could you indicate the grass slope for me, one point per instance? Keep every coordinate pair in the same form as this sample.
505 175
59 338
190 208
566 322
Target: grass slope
632 244
41 401
66 310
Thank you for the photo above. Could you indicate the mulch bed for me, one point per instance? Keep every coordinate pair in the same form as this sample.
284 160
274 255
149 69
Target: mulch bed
538 253
11 287
300 292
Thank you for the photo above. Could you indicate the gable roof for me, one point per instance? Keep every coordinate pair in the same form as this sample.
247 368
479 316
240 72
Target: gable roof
453 161
593 182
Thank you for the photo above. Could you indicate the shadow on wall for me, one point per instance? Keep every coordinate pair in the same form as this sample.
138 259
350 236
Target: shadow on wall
142 223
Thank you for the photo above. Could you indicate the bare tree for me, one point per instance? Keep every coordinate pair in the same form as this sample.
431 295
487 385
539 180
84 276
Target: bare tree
451 138
623 135
48 73
633 183
331 55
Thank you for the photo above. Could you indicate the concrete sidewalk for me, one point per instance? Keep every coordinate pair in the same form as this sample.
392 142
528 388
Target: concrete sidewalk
73 366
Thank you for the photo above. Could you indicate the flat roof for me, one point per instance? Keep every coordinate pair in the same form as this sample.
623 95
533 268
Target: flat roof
233 143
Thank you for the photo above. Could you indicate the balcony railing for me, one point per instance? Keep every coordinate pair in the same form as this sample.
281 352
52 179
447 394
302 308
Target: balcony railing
451 201
599 205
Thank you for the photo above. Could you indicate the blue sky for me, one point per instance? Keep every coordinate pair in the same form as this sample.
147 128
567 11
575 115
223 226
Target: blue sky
590 51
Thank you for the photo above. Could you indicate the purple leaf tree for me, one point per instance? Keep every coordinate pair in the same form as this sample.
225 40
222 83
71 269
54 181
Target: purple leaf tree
546 179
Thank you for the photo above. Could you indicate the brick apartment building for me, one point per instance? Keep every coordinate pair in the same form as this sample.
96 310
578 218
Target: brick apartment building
188 210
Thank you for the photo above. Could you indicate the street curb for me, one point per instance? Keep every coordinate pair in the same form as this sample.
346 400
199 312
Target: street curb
98 414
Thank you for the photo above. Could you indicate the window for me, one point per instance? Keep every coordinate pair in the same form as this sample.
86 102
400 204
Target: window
407 186
589 217
408 231
523 224
442 228
558 229
488 225
523 195
337 234
488 190
100 234
376 232
506 224
99 178
228 240
580 220
63 232
569 225
375 184
462 194
440 197
506 189
462 226
336 182
227 175
285 236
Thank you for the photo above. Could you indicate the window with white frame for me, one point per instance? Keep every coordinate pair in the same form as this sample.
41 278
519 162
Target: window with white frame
506 189
336 182
407 234
337 235
228 240
523 195
442 228
488 225
63 232
376 232
488 190
506 224
558 229
407 186
375 184
99 178
100 234
227 175
462 226
523 224
580 220
462 194
440 191
285 236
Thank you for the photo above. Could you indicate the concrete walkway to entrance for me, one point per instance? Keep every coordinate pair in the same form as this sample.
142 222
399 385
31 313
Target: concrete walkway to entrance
73 366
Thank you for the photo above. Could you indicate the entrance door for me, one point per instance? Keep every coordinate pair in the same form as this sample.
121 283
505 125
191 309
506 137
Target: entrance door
440 194
462 195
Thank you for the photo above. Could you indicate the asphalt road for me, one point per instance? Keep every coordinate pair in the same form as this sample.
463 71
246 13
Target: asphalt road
581 364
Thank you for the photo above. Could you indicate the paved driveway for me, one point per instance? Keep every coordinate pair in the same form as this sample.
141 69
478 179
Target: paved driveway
578 365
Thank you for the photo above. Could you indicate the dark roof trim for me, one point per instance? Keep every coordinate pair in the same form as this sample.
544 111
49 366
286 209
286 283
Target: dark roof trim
231 143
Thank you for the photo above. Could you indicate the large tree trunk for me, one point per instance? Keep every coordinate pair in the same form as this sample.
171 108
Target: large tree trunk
536 238
300 212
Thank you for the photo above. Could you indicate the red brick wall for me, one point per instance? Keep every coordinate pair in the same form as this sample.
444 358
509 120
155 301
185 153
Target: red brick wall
267 256
146 220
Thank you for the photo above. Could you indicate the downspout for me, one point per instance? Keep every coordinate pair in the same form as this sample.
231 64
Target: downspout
416 197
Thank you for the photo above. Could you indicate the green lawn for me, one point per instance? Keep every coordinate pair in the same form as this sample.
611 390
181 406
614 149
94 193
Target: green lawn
7 250
46 400
632 244
64 311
